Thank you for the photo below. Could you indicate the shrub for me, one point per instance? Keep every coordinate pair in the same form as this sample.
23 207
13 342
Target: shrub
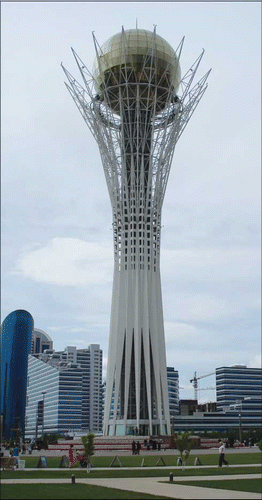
184 444
88 442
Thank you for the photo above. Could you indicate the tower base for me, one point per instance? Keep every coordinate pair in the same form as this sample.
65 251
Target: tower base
129 428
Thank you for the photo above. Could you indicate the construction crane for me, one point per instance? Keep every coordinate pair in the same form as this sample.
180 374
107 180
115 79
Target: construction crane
195 379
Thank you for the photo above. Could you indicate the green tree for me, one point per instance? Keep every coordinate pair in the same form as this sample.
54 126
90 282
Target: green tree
88 442
184 444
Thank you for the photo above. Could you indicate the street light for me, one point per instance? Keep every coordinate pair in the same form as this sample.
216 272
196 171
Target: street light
44 393
173 424
239 405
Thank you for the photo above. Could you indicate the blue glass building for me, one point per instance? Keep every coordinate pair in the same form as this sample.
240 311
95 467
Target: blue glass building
16 338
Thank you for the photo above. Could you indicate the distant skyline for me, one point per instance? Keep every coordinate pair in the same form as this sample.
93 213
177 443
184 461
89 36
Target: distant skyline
57 249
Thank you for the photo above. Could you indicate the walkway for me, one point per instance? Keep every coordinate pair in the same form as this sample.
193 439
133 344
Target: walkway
159 487
170 468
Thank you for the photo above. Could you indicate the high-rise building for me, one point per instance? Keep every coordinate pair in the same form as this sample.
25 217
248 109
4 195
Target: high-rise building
90 361
68 386
54 396
40 341
238 384
173 391
16 338
132 104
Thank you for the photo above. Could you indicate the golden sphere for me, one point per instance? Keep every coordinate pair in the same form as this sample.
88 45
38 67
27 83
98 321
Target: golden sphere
126 58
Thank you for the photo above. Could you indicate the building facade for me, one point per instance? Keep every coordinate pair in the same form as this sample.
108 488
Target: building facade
217 421
173 391
91 362
238 406
68 384
57 388
132 107
16 339
40 341
238 383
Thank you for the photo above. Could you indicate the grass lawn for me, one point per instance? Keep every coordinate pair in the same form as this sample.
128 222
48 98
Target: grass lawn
251 485
118 472
151 460
67 491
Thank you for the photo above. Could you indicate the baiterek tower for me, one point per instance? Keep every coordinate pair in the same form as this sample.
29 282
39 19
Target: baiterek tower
136 106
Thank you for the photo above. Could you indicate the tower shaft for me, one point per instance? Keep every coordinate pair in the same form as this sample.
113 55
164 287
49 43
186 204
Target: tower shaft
136 118
136 380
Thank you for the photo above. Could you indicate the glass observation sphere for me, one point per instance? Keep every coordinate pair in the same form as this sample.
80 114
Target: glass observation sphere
125 59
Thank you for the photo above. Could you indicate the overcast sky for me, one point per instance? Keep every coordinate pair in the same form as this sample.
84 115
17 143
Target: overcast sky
57 250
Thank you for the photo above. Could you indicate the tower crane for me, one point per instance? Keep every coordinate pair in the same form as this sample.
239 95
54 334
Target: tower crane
195 379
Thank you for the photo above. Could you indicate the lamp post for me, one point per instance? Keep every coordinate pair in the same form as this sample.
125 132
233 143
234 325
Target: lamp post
36 429
239 405
44 393
173 424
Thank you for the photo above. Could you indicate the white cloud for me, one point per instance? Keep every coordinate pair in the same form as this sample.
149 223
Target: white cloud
187 335
66 329
255 362
178 331
68 262
81 343
206 306
77 330
210 263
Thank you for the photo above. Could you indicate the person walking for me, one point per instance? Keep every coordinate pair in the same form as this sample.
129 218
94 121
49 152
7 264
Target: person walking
16 453
138 446
133 448
222 453
72 456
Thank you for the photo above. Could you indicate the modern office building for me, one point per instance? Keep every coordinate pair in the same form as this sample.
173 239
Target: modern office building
90 361
16 335
134 109
68 385
173 391
218 421
238 406
236 384
54 396
40 341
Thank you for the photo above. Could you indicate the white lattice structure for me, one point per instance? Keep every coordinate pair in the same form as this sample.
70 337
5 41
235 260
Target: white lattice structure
132 107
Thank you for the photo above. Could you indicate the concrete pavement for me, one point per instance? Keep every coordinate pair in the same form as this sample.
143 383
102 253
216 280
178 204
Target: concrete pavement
170 468
159 487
